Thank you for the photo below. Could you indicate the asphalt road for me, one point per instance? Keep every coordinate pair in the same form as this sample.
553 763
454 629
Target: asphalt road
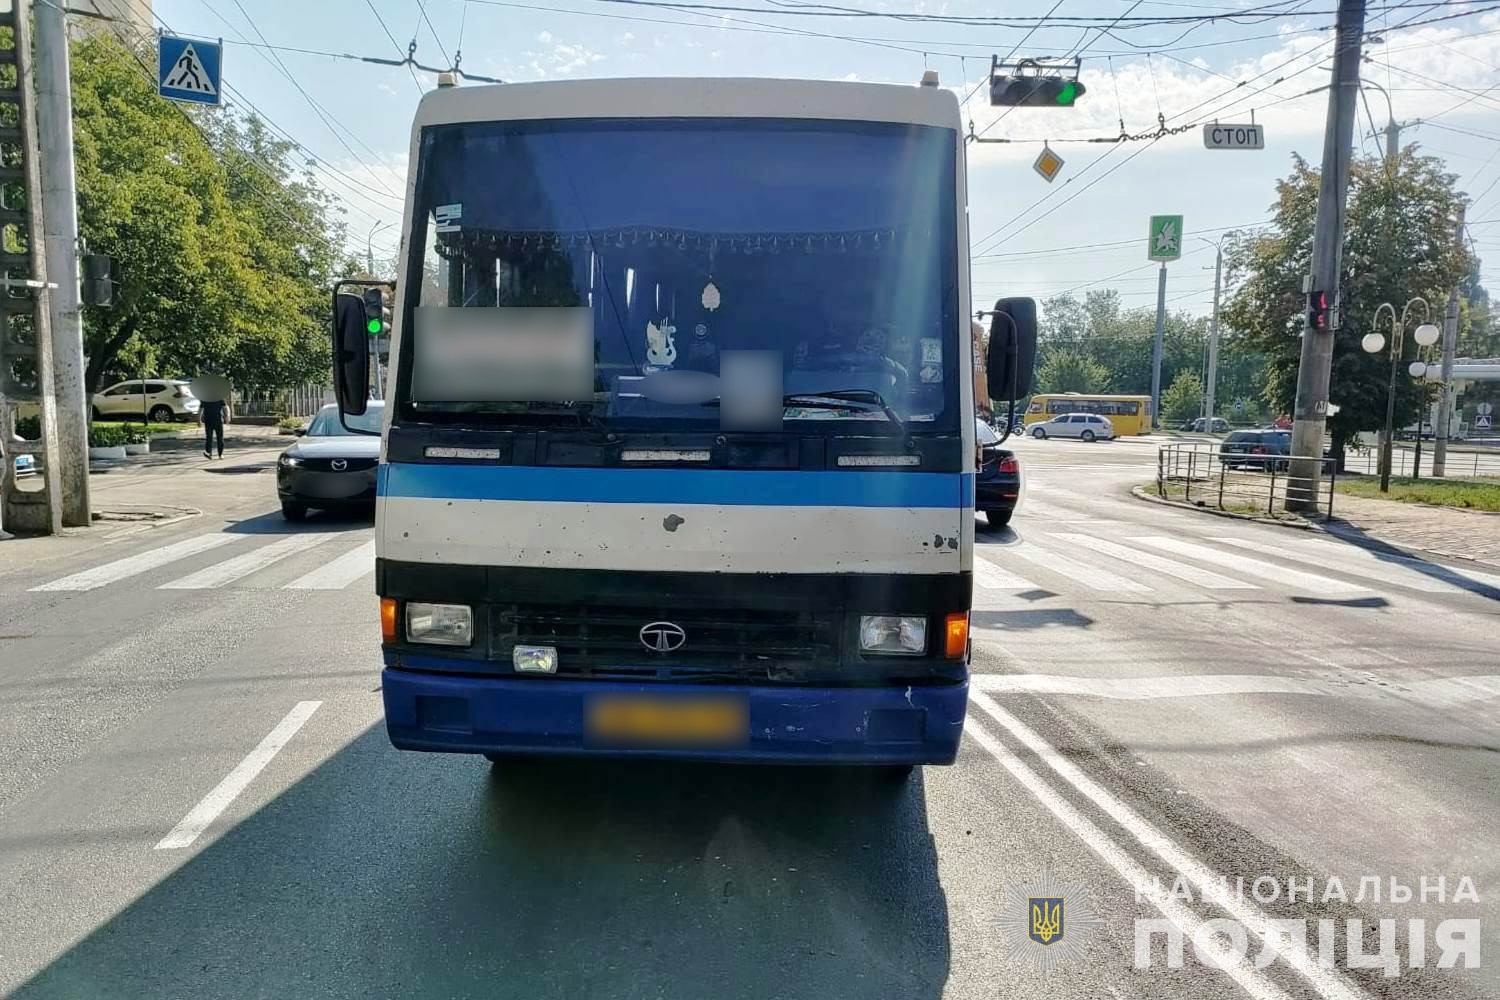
1159 694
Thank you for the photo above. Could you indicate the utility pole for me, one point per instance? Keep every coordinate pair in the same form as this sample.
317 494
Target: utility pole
1156 344
1445 385
1310 415
54 115
1213 342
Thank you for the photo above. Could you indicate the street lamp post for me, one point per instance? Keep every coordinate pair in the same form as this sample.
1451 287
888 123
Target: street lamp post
1418 370
1425 335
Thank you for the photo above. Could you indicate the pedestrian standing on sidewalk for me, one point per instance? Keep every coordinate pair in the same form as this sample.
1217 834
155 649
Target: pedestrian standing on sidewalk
212 416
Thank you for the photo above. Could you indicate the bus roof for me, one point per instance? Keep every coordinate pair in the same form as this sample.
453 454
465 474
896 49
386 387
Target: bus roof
688 97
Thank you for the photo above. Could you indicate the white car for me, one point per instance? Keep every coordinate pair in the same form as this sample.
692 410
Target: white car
159 399
1084 426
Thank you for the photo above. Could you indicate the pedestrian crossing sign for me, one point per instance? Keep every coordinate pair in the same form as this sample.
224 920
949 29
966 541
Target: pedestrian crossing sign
189 69
1166 238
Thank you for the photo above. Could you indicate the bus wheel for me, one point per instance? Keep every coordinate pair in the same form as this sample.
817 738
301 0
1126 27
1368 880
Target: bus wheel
1038 433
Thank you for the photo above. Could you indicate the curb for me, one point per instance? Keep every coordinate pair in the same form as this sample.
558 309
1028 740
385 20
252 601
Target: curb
1142 493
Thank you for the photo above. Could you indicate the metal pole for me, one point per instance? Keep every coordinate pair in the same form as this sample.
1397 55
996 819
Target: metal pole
1310 415
1213 341
1416 461
54 115
1445 386
1389 451
1156 346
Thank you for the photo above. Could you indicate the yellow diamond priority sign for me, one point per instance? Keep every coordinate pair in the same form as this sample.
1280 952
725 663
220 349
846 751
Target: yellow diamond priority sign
1049 164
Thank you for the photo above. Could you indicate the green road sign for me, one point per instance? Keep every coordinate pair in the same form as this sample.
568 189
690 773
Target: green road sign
1166 238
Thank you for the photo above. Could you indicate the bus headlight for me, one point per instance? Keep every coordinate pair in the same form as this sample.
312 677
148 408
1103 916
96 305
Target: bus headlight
893 635
439 624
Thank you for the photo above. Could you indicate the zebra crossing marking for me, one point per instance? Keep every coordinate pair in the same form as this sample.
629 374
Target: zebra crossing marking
1252 567
256 559
1170 567
340 573
989 576
1402 571
1088 576
141 562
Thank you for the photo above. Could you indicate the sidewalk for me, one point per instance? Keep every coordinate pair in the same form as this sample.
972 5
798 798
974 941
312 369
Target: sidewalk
1444 531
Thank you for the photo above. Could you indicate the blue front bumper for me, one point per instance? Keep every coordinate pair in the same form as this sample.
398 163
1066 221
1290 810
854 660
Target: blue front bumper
827 725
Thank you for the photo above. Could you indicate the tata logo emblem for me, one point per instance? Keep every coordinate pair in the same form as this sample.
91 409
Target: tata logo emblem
663 637
338 465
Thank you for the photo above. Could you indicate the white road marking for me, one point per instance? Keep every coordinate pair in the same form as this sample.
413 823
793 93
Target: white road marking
989 576
1183 571
1403 571
235 782
1253 567
243 565
1329 983
1243 972
1436 692
1330 559
121 569
340 573
1078 572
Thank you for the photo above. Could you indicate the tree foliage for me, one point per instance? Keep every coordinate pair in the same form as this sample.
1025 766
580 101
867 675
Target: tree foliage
1071 371
1399 242
225 248
1117 342
1183 399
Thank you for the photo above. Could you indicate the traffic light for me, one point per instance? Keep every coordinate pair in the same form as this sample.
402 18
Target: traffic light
98 288
1317 311
1035 83
375 323
1034 91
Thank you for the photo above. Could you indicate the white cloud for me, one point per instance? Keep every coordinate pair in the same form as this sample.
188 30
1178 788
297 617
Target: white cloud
851 77
544 37
625 39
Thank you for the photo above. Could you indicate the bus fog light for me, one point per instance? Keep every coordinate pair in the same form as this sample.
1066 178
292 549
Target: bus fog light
439 624
893 635
534 659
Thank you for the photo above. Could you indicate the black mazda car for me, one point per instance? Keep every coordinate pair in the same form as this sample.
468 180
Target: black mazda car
331 466
997 484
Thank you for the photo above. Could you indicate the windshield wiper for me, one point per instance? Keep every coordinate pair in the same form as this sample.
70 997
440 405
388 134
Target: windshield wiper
839 399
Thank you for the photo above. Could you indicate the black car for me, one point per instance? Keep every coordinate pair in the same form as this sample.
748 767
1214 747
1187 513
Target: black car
997 486
330 467
1263 449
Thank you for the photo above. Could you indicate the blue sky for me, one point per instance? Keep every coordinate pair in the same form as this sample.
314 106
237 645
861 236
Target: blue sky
356 117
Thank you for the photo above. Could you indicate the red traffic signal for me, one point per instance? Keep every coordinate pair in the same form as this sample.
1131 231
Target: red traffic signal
1317 311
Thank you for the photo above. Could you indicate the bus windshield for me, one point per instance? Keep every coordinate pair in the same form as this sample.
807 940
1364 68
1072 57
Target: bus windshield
826 249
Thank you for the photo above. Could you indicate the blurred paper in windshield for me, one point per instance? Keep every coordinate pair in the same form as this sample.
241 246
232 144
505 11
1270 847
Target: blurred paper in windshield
496 354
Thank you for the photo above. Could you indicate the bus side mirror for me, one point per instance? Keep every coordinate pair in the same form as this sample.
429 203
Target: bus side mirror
1012 350
351 354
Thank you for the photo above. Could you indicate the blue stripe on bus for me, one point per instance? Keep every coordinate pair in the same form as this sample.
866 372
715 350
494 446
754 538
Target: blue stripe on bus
696 486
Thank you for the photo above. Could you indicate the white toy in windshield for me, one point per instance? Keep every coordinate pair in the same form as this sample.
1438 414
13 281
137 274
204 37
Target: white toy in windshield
661 351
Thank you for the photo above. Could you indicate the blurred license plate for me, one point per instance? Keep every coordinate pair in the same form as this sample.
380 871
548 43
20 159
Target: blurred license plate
696 721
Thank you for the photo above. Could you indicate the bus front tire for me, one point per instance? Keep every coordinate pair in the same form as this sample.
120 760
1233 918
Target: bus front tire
1039 434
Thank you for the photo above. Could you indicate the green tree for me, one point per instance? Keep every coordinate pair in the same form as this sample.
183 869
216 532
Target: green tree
1071 371
1183 399
1399 242
223 261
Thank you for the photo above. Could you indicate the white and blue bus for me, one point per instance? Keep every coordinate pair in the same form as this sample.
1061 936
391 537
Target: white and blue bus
679 442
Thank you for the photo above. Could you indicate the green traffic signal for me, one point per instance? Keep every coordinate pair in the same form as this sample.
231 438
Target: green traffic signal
1067 94
373 326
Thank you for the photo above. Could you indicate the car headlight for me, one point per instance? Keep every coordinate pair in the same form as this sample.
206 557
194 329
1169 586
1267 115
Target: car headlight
893 635
288 462
439 624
